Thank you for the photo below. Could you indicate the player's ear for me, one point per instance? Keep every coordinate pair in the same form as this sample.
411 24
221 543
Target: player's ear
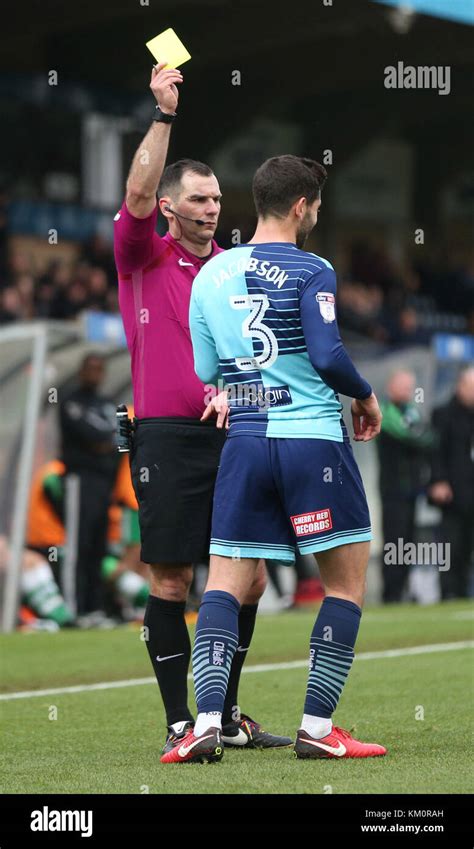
300 207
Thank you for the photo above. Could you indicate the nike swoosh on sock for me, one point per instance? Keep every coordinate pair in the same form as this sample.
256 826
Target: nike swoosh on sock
168 657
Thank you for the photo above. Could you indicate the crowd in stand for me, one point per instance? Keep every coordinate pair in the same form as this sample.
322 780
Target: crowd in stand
403 305
63 290
390 305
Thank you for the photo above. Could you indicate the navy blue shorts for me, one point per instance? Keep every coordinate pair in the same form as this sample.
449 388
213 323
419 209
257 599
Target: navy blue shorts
275 494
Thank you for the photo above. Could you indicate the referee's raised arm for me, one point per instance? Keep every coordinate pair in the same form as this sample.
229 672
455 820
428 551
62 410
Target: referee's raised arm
176 447
149 160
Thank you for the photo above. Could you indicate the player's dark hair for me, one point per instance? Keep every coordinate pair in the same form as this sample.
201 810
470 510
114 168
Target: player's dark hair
282 180
172 175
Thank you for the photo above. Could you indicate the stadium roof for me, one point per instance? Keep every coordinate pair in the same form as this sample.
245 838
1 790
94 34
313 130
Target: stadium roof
455 10
318 65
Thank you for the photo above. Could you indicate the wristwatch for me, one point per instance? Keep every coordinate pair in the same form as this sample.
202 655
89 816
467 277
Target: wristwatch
164 117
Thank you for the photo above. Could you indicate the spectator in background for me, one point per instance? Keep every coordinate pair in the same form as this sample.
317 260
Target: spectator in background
72 302
96 253
406 330
87 422
44 296
19 263
18 299
61 306
25 285
402 446
112 302
359 309
373 265
10 305
98 286
452 482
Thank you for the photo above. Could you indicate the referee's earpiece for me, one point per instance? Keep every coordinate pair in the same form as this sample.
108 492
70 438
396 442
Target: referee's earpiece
186 217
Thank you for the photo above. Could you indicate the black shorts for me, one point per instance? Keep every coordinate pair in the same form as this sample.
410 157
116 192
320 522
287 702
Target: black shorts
174 464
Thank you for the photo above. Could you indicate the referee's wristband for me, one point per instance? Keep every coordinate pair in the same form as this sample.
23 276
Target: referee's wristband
164 117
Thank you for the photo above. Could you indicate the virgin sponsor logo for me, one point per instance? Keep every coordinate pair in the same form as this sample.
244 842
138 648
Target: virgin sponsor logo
306 524
256 395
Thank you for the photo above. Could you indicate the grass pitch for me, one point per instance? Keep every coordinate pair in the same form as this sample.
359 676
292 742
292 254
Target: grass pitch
109 740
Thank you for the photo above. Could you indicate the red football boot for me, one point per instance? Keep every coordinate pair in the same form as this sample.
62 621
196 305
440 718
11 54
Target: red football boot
337 744
190 749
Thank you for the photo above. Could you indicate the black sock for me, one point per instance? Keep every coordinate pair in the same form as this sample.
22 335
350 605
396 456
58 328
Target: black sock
247 616
167 636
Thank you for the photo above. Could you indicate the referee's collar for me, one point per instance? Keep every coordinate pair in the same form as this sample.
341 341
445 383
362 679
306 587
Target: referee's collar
187 254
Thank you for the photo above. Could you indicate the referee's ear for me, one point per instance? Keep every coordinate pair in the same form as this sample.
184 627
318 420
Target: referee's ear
165 205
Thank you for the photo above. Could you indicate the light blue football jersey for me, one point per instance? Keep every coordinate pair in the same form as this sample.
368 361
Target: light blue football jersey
263 321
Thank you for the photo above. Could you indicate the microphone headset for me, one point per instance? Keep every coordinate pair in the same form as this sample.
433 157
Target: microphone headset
195 220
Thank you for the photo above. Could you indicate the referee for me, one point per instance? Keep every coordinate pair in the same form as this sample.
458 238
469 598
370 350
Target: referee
176 446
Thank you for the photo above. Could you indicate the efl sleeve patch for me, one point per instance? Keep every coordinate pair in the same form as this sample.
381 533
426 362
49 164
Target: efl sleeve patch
327 306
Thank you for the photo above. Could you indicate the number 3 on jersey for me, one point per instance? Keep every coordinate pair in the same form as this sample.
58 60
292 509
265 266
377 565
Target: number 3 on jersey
253 327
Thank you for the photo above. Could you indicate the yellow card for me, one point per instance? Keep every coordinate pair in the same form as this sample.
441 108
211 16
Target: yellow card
167 45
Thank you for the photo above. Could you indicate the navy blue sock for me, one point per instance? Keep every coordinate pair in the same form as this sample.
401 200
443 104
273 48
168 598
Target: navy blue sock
217 637
331 654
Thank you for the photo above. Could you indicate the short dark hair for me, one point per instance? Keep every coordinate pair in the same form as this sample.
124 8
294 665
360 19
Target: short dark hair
173 174
281 180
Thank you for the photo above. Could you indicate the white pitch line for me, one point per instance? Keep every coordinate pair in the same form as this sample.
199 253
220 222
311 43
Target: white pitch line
261 667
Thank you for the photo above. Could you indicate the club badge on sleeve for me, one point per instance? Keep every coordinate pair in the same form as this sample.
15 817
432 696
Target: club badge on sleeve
327 306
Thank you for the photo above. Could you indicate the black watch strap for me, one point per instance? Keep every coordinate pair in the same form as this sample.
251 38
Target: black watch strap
164 117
